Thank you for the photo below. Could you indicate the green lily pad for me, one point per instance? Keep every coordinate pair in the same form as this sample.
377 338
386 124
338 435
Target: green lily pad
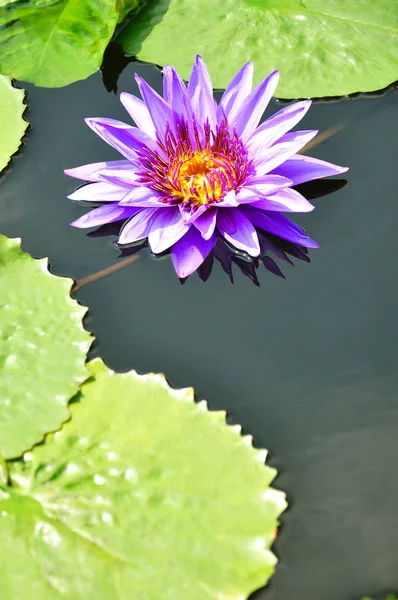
43 347
12 123
55 42
321 48
142 494
123 7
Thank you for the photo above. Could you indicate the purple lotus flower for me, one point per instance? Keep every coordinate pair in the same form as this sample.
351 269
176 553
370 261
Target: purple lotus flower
195 170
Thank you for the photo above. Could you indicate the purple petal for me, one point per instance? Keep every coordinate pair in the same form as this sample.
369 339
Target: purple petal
266 161
176 93
297 137
259 186
138 227
268 183
279 225
226 221
104 214
254 106
285 200
229 200
122 176
241 234
166 229
200 92
190 252
125 139
91 172
139 113
305 168
167 84
142 196
189 215
206 223
237 91
99 192
158 108
276 126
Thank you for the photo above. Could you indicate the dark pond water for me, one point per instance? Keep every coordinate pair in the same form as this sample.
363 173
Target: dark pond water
307 365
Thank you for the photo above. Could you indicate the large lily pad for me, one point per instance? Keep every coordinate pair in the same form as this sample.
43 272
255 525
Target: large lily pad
12 123
123 7
321 47
43 347
143 494
55 42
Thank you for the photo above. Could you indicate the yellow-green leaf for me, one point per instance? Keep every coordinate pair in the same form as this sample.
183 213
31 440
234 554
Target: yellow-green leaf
12 123
143 494
55 42
43 348
321 47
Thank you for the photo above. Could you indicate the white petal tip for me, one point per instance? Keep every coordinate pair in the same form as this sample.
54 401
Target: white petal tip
75 195
138 79
254 253
304 105
78 224
183 274
91 122
122 242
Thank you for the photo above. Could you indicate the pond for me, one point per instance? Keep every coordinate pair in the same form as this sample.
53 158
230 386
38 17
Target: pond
307 365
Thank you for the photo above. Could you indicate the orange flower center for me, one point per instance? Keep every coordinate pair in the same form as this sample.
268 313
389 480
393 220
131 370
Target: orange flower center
196 173
199 177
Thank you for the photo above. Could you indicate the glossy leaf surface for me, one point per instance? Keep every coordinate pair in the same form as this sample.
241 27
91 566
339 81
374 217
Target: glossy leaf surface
43 348
143 494
12 123
321 48
53 43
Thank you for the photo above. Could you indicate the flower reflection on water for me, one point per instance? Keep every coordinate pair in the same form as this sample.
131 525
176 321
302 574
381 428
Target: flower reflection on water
273 248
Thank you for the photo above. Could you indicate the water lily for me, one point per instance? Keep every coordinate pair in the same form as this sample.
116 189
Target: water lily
196 171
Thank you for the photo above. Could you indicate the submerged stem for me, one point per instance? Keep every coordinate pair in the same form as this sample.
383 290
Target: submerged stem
104 272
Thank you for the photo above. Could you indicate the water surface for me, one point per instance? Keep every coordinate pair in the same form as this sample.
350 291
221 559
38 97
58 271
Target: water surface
307 365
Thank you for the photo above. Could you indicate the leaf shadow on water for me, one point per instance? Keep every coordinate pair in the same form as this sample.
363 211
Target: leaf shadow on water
225 254
113 64
146 16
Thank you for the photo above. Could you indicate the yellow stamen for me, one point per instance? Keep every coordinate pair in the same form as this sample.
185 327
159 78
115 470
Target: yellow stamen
198 177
